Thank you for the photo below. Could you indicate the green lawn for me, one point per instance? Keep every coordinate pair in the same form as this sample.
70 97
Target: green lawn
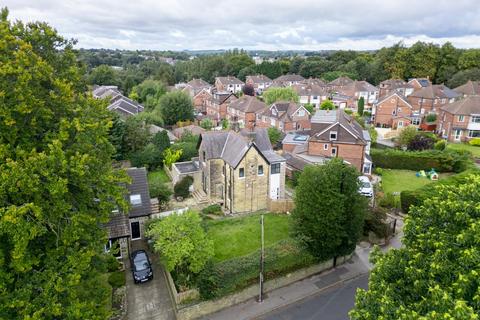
475 150
158 175
239 236
400 180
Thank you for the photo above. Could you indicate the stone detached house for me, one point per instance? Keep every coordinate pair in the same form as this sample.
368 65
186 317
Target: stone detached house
311 93
118 103
240 170
460 121
285 116
125 227
470 88
216 105
334 134
230 84
244 111
288 80
394 111
259 82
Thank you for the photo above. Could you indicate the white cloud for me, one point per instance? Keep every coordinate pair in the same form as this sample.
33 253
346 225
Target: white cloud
253 24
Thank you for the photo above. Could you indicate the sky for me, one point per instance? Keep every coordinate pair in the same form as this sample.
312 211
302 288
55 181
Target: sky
255 24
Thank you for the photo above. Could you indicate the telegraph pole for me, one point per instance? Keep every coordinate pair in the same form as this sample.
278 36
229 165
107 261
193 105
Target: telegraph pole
260 297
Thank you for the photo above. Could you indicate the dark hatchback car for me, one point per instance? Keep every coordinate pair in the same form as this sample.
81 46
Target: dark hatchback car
141 267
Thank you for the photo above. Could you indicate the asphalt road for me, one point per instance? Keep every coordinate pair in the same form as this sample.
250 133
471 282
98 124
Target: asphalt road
331 304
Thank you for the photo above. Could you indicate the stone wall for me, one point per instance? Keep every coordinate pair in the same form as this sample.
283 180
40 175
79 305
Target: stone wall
281 205
207 307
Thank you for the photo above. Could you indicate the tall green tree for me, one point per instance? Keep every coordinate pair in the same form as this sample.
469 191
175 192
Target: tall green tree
273 95
57 185
103 75
327 105
176 106
329 220
149 93
435 274
361 106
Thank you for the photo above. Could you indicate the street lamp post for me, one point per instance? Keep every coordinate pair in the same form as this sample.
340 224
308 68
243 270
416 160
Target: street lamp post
260 296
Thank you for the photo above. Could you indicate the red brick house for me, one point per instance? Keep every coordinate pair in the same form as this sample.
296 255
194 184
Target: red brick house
199 100
285 116
419 83
394 111
460 121
395 85
216 105
311 93
244 111
429 99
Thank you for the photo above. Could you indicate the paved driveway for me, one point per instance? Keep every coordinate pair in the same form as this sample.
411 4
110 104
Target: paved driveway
150 300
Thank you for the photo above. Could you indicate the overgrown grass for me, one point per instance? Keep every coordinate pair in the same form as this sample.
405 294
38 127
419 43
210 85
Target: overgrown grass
239 236
475 150
158 175
401 180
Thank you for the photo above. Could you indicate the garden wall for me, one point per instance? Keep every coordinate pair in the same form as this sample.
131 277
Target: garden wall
280 205
208 307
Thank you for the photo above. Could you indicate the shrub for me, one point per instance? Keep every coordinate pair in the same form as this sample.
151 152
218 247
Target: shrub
160 191
475 142
181 188
116 279
406 135
375 222
112 263
348 111
442 161
432 117
409 198
440 145
388 200
219 279
189 150
378 171
421 142
150 157
327 105
213 209
206 124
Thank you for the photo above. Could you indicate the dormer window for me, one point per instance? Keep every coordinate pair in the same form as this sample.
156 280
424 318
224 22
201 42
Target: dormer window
333 135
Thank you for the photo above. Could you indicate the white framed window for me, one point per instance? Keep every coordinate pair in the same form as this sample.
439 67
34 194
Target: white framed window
135 200
325 146
366 168
461 118
241 173
334 151
473 133
415 121
475 119
333 135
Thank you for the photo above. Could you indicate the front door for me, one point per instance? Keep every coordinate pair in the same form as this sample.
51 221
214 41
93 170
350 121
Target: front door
135 226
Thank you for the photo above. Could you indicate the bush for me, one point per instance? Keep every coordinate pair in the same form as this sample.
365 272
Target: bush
150 157
375 222
160 191
219 279
181 188
432 117
421 142
348 111
475 142
378 171
116 279
213 209
388 201
409 198
189 150
440 145
112 263
441 161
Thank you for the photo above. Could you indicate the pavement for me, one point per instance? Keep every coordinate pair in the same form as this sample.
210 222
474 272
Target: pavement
150 300
300 299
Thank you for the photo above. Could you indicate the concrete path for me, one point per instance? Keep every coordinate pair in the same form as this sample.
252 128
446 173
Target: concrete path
150 300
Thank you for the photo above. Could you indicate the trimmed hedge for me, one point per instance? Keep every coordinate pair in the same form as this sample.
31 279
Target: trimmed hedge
220 279
410 198
213 209
441 161
116 279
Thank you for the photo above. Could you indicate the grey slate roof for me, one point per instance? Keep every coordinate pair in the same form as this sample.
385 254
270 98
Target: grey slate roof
139 186
125 105
193 129
232 146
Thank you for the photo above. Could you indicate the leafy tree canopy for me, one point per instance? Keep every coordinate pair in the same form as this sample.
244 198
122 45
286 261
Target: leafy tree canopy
273 95
176 106
435 274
